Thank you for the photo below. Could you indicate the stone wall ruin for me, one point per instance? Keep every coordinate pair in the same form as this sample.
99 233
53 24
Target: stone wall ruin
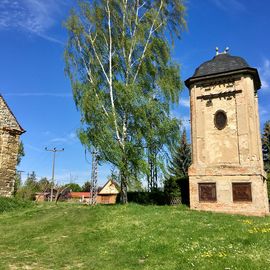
10 131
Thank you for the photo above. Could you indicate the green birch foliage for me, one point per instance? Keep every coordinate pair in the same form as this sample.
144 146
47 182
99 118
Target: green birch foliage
118 58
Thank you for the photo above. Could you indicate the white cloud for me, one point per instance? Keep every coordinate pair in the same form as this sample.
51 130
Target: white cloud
265 84
32 147
264 71
46 133
184 102
67 139
263 111
229 5
33 16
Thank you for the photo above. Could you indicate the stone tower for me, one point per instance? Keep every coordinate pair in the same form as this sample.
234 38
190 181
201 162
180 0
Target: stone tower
10 130
227 172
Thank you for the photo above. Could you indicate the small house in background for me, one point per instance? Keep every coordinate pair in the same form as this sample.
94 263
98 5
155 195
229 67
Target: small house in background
45 196
79 197
42 196
106 195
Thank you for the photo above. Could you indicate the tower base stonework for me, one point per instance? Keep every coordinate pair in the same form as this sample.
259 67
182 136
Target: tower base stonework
225 199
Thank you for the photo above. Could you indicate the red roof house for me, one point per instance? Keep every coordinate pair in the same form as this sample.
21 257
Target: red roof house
106 195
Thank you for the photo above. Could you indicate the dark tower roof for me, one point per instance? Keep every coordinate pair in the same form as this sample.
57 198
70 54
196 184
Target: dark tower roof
224 64
220 63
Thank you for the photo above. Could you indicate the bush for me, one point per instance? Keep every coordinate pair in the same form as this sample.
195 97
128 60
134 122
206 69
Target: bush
142 197
173 188
26 193
177 188
9 204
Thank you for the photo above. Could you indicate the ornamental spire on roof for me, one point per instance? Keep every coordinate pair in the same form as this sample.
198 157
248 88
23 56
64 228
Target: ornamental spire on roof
224 52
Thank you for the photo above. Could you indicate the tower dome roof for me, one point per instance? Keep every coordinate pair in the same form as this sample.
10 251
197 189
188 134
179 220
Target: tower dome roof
224 64
221 63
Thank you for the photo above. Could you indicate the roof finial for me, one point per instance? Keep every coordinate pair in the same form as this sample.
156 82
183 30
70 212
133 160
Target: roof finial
224 52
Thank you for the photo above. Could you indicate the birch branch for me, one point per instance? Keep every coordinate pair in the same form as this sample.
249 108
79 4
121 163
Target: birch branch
123 26
89 73
99 61
88 70
134 31
157 27
110 76
124 127
152 30
106 41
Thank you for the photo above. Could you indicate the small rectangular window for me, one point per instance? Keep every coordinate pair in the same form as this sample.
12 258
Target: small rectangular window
241 192
207 192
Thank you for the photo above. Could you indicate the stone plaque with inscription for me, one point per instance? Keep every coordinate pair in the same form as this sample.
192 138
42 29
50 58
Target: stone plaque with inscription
207 192
242 192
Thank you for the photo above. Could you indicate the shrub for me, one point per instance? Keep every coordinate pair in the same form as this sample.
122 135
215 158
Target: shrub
142 197
177 188
26 193
9 204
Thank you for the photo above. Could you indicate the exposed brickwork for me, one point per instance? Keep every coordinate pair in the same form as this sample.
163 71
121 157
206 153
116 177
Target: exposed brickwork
10 131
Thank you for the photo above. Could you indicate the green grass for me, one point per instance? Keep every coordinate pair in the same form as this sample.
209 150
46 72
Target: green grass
131 237
9 204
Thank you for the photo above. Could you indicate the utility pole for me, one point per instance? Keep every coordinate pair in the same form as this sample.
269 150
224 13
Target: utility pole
54 150
20 173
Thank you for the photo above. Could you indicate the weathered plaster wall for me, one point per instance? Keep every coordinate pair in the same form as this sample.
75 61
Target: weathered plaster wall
231 154
239 142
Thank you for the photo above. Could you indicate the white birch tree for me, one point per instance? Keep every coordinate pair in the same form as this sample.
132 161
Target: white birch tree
123 78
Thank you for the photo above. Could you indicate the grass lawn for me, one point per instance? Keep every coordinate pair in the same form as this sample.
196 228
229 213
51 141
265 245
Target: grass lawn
131 237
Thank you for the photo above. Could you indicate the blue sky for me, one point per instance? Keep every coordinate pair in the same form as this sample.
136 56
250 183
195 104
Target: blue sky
33 82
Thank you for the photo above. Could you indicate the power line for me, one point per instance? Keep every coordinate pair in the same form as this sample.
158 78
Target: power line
54 150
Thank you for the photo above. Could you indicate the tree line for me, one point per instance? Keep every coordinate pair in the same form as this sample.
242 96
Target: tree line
32 186
176 176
